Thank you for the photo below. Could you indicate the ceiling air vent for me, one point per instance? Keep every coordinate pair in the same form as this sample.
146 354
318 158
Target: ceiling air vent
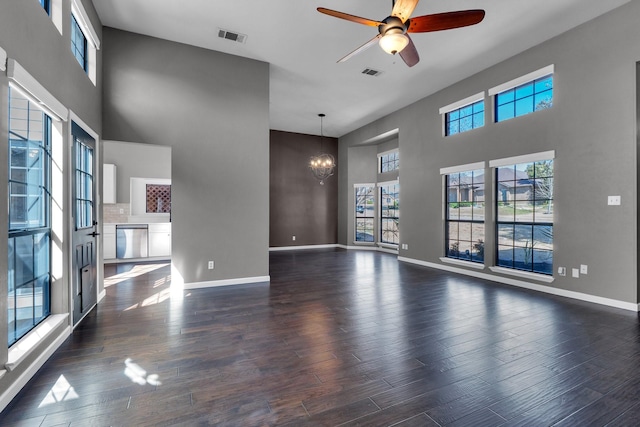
371 72
230 35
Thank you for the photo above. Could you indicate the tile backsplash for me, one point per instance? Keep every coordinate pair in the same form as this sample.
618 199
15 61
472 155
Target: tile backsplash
116 213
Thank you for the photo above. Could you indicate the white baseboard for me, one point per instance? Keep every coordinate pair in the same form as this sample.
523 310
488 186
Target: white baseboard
102 294
360 247
24 378
295 248
532 286
227 282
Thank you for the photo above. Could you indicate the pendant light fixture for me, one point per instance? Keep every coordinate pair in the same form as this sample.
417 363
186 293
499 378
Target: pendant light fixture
323 164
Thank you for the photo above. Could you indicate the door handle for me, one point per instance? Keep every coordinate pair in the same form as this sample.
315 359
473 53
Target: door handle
94 234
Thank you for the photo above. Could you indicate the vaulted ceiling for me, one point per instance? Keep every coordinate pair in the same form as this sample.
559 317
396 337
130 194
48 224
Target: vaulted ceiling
302 47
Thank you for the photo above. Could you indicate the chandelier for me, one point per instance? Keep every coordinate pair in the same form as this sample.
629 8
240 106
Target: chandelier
322 165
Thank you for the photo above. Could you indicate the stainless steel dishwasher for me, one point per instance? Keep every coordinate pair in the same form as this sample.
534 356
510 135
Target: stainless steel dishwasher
132 241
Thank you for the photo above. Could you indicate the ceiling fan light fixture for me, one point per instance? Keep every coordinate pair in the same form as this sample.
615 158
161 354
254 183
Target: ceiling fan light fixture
394 41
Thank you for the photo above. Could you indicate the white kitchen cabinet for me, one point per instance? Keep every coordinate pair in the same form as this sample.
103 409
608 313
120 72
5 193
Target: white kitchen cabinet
109 184
109 241
160 239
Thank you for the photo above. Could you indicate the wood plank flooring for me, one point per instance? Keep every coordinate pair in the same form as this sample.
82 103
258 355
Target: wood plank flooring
338 338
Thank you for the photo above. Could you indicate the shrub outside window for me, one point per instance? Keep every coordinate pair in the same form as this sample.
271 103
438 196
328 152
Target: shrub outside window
465 238
524 206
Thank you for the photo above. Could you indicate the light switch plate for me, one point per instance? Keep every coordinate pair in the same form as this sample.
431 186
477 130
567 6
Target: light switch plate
613 201
575 272
584 268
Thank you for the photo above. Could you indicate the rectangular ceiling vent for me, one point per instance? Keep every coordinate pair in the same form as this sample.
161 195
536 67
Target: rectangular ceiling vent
371 72
230 35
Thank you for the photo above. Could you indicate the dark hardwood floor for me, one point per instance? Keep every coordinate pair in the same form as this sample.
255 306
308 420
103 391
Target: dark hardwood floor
339 337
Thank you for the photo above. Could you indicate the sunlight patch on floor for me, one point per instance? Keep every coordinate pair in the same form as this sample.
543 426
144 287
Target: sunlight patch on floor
138 375
136 271
60 392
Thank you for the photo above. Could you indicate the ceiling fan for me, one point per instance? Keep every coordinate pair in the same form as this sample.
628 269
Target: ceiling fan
393 37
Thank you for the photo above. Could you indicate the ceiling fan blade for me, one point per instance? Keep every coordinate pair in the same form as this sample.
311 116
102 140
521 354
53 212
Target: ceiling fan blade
352 18
445 21
404 8
364 47
410 54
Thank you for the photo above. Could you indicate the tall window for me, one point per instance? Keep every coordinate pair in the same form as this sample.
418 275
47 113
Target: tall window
465 215
524 203
524 99
79 43
465 118
365 212
29 240
389 161
389 213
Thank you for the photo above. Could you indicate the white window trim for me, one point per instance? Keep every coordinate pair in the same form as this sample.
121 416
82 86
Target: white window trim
29 87
25 345
3 60
463 168
476 265
549 69
523 274
526 158
462 103
366 184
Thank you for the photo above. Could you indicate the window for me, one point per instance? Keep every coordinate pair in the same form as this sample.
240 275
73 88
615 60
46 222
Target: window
46 5
388 161
524 206
84 184
524 95
78 43
84 40
389 213
465 118
29 239
365 212
465 215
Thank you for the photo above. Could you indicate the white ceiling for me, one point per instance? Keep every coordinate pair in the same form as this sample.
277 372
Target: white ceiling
303 46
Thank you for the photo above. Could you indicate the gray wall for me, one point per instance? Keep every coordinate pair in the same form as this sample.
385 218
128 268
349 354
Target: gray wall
213 110
592 128
298 205
29 36
134 160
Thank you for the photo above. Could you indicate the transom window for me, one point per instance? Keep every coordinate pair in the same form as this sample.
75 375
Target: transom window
78 43
524 206
524 99
465 215
29 239
389 213
365 212
465 118
389 161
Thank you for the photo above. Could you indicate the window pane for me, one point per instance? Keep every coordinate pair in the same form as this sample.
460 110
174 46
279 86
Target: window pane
466 111
464 231
506 212
505 234
505 256
453 212
543 100
454 115
523 235
453 128
453 230
524 211
543 261
524 91
478 120
478 107
543 84
524 106
478 211
543 237
543 211
477 232
465 250
453 250
505 97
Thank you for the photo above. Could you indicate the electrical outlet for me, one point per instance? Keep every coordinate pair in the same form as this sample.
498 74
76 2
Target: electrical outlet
210 265
562 271
121 211
293 238
613 200
584 268
575 273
